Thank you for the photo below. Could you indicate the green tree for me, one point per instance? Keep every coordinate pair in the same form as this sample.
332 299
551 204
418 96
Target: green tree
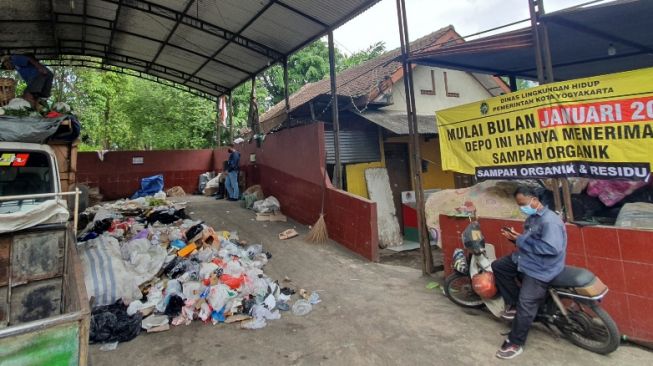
311 64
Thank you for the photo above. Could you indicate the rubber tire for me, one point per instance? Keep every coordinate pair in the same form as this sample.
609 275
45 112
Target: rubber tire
615 336
447 284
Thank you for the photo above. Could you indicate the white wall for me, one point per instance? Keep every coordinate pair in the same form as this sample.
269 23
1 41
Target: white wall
459 82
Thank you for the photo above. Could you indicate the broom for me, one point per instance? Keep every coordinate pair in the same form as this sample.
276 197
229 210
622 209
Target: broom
319 233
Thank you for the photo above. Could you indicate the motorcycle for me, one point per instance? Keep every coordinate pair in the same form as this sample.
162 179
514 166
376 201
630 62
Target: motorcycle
572 305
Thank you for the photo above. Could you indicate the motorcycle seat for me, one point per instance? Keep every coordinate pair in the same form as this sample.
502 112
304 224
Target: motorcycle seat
573 277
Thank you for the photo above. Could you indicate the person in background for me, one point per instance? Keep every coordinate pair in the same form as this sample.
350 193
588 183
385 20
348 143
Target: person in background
233 167
539 258
38 77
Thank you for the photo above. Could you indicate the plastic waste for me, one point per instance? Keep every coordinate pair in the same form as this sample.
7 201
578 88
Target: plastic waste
232 282
111 323
153 321
192 290
283 306
134 307
314 299
254 250
219 295
260 311
160 195
233 268
301 308
254 324
177 244
109 346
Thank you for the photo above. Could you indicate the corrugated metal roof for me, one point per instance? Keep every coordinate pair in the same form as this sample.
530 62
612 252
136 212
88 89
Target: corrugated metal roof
190 42
397 122
579 39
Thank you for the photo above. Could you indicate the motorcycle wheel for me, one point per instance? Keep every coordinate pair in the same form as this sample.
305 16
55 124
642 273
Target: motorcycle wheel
591 328
458 288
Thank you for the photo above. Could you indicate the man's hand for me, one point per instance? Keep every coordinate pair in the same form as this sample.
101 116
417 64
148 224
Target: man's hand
510 234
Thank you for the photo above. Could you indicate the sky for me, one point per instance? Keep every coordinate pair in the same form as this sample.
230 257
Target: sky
379 23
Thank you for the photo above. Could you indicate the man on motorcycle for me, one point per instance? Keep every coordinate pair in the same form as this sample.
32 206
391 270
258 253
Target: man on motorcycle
539 258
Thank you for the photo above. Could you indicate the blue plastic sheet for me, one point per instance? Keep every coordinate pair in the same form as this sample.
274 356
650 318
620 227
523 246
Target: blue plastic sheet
149 186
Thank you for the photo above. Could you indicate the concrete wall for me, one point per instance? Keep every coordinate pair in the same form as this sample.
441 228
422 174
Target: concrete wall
460 82
117 176
290 166
622 258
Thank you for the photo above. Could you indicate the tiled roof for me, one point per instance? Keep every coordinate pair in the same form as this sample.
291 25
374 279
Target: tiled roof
359 80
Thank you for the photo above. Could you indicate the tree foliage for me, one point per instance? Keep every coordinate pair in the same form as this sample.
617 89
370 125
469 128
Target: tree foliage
124 112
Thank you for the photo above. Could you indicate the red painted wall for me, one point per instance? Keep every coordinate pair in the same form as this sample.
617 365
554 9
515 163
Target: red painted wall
290 166
622 258
117 177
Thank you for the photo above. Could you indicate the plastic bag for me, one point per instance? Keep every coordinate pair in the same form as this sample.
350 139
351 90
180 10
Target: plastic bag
301 307
192 290
112 324
219 295
149 186
232 282
254 250
270 204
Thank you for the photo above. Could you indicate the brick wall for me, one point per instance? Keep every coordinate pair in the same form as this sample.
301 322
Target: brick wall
622 258
117 177
290 166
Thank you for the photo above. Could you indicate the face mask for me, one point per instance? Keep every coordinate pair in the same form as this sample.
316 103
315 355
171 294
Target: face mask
527 209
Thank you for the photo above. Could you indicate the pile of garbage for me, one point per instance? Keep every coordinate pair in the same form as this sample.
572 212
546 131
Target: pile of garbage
148 265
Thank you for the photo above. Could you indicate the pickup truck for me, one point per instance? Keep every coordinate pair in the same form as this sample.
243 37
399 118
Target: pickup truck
44 310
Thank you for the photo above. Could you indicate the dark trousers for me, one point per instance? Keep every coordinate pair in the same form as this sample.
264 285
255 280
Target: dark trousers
527 299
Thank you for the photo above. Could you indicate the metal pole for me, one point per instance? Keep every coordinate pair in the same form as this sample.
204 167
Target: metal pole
513 83
536 37
218 123
334 112
414 139
230 114
286 91
534 7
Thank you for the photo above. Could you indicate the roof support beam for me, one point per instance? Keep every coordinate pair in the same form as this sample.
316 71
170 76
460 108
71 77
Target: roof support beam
199 24
84 16
53 22
171 33
125 71
135 61
304 15
240 31
607 36
112 27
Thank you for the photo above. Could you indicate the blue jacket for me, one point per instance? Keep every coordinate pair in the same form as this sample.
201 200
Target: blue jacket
541 249
24 67
233 165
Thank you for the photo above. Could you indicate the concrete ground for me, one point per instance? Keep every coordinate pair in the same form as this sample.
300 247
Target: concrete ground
371 314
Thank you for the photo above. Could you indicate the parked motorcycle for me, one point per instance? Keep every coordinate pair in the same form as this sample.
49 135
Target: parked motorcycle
572 305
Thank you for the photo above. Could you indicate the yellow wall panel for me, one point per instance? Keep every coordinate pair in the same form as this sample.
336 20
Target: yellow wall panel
356 183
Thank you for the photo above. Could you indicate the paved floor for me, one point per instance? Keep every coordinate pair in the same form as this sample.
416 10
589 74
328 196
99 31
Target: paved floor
371 314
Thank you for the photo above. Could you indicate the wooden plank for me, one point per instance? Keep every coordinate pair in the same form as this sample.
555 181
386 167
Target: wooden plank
37 256
5 244
4 319
35 301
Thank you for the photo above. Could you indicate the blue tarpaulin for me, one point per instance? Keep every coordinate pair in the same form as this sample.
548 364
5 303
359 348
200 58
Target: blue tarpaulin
149 186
